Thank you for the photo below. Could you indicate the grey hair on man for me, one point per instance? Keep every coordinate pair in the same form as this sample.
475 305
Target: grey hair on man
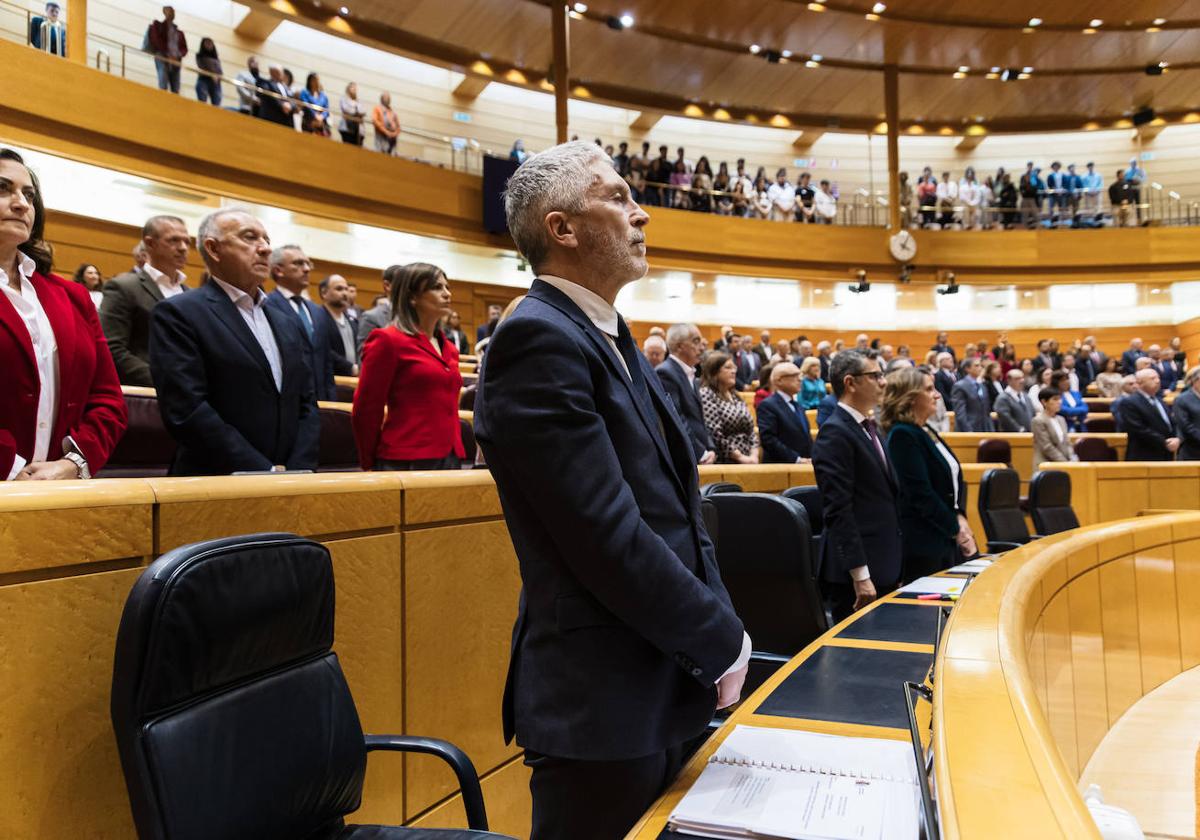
556 179
680 334
210 227
278 254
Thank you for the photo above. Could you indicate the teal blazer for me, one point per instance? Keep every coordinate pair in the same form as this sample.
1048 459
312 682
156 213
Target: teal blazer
928 504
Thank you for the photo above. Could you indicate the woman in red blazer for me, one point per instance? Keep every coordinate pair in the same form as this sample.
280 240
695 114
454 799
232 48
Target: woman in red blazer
410 368
61 409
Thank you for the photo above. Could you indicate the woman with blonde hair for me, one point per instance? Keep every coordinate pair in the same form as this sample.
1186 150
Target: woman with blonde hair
726 415
933 492
812 386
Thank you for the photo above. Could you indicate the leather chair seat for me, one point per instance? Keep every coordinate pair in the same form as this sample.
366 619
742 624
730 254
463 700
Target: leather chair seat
387 832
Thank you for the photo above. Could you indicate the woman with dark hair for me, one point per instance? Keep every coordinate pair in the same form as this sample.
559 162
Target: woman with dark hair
933 490
208 81
992 383
88 276
315 119
702 184
726 415
61 408
410 368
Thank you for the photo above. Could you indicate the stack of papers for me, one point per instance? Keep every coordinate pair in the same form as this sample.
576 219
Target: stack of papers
936 586
971 567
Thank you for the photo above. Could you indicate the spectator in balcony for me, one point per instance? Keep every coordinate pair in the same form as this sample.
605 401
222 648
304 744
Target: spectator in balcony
169 46
987 201
743 191
805 199
782 197
48 32
315 115
208 77
88 276
812 386
702 184
1056 189
681 181
1135 176
1006 202
824 205
1121 200
687 164
635 175
760 199
906 201
353 114
722 204
249 83
1031 189
726 415
621 159
130 298
927 197
970 196
1092 184
517 152
1073 186
275 99
387 125
406 405
947 199
658 173
340 324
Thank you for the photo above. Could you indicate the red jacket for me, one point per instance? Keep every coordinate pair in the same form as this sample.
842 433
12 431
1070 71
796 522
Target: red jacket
157 36
420 391
91 408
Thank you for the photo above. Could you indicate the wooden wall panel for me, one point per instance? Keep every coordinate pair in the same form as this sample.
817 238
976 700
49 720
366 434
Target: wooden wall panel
1119 612
1158 619
1121 492
1060 679
1087 664
1187 593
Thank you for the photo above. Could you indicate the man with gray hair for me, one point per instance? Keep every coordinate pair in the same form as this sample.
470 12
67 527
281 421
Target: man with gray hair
233 388
678 377
626 640
290 270
1014 408
655 350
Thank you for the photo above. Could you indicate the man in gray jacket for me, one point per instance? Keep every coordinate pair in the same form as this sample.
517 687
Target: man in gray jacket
968 398
1014 408
380 315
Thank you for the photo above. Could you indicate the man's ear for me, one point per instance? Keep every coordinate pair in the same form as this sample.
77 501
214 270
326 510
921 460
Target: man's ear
561 229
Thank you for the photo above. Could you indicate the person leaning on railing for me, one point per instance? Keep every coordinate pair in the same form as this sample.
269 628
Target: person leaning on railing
315 119
48 32
167 42
208 80
353 113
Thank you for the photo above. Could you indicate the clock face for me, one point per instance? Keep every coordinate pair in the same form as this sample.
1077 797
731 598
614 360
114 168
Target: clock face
903 246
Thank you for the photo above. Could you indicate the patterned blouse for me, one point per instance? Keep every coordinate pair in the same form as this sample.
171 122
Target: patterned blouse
730 424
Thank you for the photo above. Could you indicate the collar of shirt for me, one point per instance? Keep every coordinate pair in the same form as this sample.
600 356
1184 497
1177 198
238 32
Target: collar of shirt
288 295
1019 396
161 278
241 299
25 268
599 311
853 412
689 372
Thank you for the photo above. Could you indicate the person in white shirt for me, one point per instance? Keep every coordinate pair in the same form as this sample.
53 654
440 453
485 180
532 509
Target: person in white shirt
782 196
743 190
247 88
969 195
947 199
824 205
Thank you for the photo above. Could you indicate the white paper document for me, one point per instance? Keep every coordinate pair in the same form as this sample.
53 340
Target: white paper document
936 586
779 783
971 567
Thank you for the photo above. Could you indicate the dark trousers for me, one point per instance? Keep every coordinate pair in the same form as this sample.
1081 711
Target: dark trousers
450 462
596 800
840 597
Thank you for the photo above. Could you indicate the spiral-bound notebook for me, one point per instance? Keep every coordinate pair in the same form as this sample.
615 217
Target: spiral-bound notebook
782 783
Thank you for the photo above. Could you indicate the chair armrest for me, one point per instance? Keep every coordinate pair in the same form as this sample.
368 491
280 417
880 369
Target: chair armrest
1036 536
997 546
468 779
769 658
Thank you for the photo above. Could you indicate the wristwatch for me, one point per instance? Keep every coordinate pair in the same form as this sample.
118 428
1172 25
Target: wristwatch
71 453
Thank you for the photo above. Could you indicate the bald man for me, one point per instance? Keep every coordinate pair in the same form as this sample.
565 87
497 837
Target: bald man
782 424
1146 421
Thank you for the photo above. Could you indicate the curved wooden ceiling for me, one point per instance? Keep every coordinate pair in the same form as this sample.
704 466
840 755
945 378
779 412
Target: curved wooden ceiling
686 57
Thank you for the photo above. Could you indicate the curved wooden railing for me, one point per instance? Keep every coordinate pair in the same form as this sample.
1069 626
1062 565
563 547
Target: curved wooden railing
1041 658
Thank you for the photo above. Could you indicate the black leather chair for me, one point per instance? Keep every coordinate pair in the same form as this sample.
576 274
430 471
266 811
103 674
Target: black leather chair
994 451
1000 510
232 716
1100 424
1050 502
810 496
1094 449
146 449
708 513
344 393
336 450
468 440
764 550
466 400
715 487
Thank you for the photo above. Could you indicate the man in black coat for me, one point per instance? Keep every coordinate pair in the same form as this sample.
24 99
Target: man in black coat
290 270
968 399
626 640
1145 421
275 103
782 424
860 546
1186 411
678 377
945 376
233 386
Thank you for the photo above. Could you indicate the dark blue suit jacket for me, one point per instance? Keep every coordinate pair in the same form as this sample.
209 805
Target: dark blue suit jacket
929 507
825 408
858 495
687 403
318 351
1129 360
624 626
784 433
216 393
1145 428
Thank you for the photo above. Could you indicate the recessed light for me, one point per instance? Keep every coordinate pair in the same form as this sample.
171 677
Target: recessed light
1091 30
1164 64
871 16
344 10
1026 69
1153 29
1022 76
786 53
818 57
964 69
1159 21
811 63
626 20
994 70
1094 22
815 7
580 7
755 48
1156 291
1035 21
879 8
959 75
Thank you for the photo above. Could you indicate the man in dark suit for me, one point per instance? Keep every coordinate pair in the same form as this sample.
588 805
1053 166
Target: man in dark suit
1129 357
678 376
860 547
727 343
1085 367
945 376
747 362
1168 371
1145 420
342 324
493 317
942 345
825 408
968 398
1014 408
129 297
274 103
233 386
763 349
456 335
290 269
625 640
1186 412
782 425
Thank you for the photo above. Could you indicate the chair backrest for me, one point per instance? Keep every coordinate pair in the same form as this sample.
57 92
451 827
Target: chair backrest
999 507
1101 424
708 513
344 392
715 487
1094 449
468 440
809 495
146 449
466 400
232 716
764 549
1050 502
994 451
337 451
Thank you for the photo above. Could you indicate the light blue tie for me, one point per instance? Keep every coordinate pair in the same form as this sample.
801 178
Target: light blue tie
305 318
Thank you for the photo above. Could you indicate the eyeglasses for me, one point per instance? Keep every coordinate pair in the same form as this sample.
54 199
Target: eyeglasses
877 375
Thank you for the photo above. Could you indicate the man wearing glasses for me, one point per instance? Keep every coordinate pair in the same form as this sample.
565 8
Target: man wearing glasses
860 549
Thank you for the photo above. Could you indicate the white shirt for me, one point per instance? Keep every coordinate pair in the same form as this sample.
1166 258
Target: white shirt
968 191
951 462
251 310
45 354
1057 426
783 197
1074 379
688 370
947 189
168 287
347 334
602 314
824 204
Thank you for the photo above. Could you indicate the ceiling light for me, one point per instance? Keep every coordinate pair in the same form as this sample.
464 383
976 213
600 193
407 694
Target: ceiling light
1035 21
755 48
1094 22
811 63
993 75
786 53
815 7
964 69
871 16
1153 29
818 57
994 70
1159 21
344 11
580 7
1026 70
626 20
1091 30
959 75
879 8
1156 291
